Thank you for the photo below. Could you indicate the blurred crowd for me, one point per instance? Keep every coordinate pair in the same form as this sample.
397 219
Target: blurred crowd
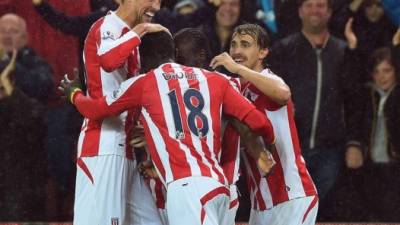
341 63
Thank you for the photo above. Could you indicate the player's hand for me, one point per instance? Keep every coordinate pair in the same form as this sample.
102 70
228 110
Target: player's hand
138 140
225 60
144 28
354 157
349 34
396 38
37 2
147 170
69 87
266 162
6 75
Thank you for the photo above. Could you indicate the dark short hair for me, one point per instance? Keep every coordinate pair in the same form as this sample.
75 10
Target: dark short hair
378 56
256 32
156 48
300 3
189 42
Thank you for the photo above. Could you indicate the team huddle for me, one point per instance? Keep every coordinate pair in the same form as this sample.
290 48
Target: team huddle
159 95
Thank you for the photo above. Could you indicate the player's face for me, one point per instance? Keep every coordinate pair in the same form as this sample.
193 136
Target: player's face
245 51
146 9
315 14
384 75
228 13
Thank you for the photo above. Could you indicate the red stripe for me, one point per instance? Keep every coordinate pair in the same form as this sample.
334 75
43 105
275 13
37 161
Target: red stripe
160 199
85 169
90 145
276 182
209 196
130 122
234 203
308 184
312 204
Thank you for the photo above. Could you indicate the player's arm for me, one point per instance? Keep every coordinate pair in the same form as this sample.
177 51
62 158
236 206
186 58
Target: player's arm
128 96
114 51
277 90
255 147
236 105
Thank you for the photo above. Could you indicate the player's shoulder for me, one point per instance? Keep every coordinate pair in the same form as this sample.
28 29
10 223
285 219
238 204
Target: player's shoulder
268 73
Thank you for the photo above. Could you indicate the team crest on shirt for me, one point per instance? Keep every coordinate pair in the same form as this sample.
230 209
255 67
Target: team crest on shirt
115 221
107 35
250 95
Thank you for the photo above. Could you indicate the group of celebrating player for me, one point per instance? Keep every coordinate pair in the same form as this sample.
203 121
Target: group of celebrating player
196 123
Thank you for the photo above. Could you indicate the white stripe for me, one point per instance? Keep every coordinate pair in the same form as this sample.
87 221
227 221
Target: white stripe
169 119
160 147
285 150
117 93
107 45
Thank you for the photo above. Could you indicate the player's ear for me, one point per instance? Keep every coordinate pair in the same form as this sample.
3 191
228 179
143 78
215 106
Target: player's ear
263 53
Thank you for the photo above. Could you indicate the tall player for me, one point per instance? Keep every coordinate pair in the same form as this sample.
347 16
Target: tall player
108 187
182 109
288 196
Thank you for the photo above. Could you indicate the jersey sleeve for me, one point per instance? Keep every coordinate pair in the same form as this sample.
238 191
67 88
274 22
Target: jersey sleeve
128 96
113 51
236 105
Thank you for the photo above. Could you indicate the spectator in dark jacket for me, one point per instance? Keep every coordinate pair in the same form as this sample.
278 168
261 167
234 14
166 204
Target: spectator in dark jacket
23 165
33 75
311 63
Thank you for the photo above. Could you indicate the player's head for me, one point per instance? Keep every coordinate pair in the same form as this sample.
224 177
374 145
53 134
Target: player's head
192 48
139 11
156 49
13 32
249 46
315 14
383 69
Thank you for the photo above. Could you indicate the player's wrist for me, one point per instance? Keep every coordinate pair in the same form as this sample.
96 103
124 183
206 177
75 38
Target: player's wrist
72 94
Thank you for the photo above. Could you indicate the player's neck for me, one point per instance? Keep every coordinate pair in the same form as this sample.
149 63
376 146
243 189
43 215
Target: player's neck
126 16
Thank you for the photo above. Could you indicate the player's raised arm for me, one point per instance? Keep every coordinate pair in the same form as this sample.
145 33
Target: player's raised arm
128 96
274 88
114 50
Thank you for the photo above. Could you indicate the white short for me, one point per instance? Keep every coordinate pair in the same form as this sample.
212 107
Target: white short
109 190
233 206
299 211
197 201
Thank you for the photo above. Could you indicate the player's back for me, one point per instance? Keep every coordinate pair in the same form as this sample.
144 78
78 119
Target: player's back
182 109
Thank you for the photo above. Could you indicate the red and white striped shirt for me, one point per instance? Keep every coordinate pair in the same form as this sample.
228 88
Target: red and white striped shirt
290 178
182 108
111 56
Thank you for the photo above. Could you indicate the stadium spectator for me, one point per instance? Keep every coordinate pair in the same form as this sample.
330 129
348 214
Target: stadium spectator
33 75
23 164
312 63
377 169
373 30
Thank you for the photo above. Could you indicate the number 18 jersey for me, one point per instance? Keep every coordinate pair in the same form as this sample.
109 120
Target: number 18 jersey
181 108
